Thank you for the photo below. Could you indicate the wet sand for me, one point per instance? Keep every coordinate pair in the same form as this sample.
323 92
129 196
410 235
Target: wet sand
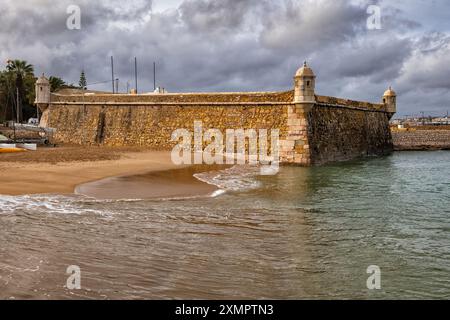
175 183
61 170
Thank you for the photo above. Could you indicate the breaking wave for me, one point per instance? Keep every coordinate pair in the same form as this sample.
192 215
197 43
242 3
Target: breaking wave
56 204
237 178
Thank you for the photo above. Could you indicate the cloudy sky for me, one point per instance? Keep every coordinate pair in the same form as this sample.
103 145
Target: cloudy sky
242 45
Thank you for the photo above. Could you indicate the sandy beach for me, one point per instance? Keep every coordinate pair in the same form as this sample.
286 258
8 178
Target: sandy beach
61 170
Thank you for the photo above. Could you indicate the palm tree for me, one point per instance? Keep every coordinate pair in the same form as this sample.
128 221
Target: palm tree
56 83
21 69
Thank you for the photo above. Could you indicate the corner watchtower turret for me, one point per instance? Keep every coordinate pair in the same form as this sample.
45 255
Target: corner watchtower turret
390 101
304 85
42 93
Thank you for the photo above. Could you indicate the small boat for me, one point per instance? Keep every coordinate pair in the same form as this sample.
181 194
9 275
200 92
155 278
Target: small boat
27 146
11 150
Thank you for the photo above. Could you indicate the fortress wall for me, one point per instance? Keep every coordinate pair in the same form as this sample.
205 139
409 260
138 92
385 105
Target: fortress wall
340 134
152 125
333 129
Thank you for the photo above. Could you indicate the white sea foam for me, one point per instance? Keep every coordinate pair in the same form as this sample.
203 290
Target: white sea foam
217 193
57 204
237 178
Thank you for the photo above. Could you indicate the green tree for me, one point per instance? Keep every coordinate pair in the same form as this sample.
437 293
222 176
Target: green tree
83 82
23 74
6 96
19 75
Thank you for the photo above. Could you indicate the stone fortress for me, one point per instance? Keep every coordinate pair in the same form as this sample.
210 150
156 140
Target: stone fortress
314 129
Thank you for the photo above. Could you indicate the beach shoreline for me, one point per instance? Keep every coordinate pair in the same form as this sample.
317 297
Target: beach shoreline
62 170
176 183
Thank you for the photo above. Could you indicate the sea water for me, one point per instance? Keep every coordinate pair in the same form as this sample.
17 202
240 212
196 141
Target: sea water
304 233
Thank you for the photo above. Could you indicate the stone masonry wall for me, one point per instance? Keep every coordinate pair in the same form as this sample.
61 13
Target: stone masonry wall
295 148
152 126
421 140
341 134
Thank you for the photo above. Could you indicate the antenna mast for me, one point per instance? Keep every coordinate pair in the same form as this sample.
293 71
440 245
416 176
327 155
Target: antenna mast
112 73
135 74
154 76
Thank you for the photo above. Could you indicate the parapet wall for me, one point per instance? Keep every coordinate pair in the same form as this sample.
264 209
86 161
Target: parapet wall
339 102
206 98
178 98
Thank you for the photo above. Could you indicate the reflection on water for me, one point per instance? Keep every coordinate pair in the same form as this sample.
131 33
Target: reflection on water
306 233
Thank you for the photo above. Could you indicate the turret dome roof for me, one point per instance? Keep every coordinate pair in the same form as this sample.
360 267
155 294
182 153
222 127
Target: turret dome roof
305 71
42 80
390 93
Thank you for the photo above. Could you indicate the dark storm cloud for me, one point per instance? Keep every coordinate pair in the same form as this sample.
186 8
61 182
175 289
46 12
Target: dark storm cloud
377 57
429 67
224 15
310 25
212 45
